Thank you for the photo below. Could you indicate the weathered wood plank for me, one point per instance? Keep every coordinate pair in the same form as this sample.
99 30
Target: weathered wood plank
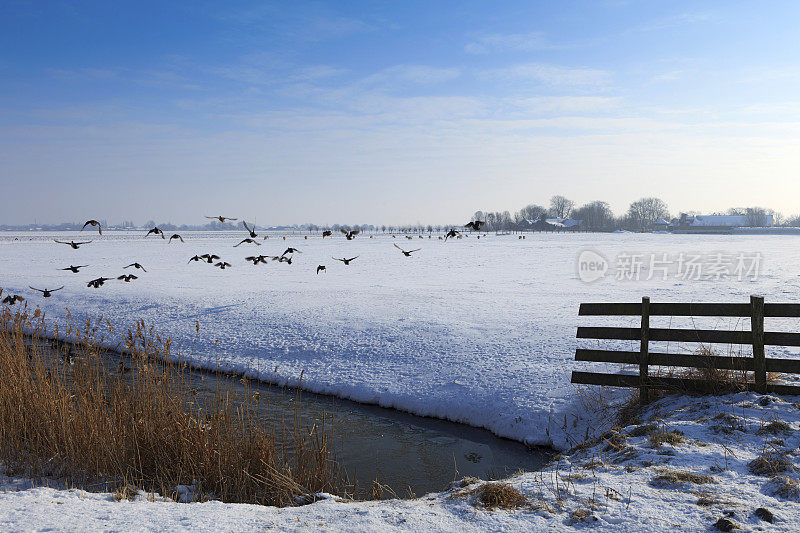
625 334
757 329
674 384
644 350
670 359
609 309
786 366
666 309
782 310
780 338
701 335
609 380
672 335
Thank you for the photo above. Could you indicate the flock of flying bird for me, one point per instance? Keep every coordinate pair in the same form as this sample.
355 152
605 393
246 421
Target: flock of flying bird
285 257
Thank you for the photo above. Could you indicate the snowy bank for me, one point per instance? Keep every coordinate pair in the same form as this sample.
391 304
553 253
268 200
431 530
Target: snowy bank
475 331
686 462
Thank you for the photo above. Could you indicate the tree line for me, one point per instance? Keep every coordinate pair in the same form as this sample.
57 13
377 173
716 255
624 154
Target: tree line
641 215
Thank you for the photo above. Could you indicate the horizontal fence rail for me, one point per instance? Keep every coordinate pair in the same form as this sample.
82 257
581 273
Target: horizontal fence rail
690 309
756 337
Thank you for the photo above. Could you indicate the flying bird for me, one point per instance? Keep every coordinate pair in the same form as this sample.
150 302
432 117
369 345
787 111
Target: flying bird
137 265
127 278
74 269
93 223
475 225
97 283
175 236
322 268
291 250
349 235
11 300
249 241
222 219
256 259
46 292
252 231
195 258
344 260
223 265
451 233
281 259
72 244
407 253
327 233
156 231
210 257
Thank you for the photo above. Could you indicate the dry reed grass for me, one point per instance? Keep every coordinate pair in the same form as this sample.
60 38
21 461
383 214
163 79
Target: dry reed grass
64 414
499 495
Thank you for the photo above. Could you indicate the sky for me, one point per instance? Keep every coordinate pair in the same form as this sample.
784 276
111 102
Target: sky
393 112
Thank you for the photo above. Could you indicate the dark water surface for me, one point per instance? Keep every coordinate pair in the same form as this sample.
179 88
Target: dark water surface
409 454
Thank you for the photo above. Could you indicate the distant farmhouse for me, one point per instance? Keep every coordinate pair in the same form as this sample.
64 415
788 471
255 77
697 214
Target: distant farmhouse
723 224
551 224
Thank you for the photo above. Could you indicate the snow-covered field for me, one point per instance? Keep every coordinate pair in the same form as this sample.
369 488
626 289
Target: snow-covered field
633 479
479 331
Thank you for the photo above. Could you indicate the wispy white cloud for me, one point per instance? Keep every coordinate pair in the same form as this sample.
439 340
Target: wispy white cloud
414 74
524 42
550 74
679 19
563 104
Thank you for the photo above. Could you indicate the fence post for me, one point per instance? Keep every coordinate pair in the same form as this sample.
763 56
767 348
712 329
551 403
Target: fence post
644 352
757 327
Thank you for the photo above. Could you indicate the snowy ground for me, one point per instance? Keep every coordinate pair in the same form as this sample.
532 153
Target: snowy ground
475 331
685 464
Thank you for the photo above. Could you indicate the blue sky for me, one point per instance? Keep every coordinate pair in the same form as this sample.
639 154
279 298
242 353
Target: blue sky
393 112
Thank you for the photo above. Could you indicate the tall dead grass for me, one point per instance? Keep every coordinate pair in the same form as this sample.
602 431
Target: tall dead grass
65 413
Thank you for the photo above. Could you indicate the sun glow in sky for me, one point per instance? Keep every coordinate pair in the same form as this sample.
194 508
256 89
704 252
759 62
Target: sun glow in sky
393 112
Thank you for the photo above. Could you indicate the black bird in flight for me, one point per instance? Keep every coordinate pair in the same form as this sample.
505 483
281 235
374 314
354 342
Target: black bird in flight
137 265
249 241
156 231
175 236
72 244
195 258
11 300
221 219
321 267
407 253
97 283
349 235
451 233
127 278
74 269
46 292
291 250
252 231
327 233
281 259
93 223
344 260
210 257
256 259
222 265
475 225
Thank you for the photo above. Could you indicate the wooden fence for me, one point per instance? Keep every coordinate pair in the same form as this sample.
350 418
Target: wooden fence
756 310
